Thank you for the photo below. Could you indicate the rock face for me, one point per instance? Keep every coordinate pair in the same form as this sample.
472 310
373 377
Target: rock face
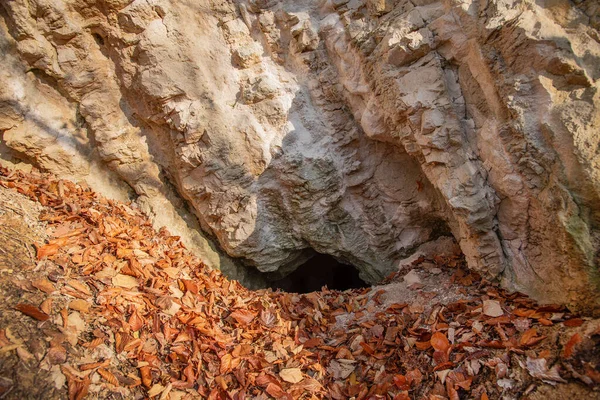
361 129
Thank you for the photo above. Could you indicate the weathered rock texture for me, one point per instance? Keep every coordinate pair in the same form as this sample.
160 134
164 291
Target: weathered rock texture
361 129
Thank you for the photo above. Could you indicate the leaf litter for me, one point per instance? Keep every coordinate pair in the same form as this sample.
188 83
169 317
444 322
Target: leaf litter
127 311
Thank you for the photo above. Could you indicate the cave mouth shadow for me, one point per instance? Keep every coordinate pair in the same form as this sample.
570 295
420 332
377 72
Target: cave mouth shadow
320 270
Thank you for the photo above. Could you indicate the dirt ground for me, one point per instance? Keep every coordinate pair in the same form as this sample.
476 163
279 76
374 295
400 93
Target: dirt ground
96 304
20 372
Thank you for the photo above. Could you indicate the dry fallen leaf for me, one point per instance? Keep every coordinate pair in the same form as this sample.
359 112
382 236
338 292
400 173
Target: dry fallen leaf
80 287
156 390
32 311
46 306
341 369
44 285
291 375
243 317
492 308
276 391
108 376
573 322
188 328
125 281
538 369
79 305
47 250
569 347
401 382
226 361
146 375
440 342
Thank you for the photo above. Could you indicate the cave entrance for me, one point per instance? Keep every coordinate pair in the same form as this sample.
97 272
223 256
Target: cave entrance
320 270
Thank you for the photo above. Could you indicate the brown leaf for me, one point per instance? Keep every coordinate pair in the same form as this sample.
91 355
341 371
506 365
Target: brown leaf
135 321
423 345
108 376
401 382
44 285
415 376
276 391
267 317
313 342
264 379
402 396
573 322
291 375
527 336
243 317
79 305
155 390
125 281
80 287
538 369
367 348
47 250
146 375
440 357
440 342
341 369
32 311
46 306
574 341
492 308
94 365
226 364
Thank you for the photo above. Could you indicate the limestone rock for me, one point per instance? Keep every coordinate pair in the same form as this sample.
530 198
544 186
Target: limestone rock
361 129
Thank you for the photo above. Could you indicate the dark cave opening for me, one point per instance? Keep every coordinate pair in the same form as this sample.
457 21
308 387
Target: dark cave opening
321 270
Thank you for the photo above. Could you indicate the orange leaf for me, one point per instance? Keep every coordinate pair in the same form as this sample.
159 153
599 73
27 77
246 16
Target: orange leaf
440 342
291 375
135 321
574 341
47 250
226 364
276 391
367 348
528 336
32 311
422 345
265 379
414 376
243 317
402 396
146 374
401 382
522 312
44 285
108 376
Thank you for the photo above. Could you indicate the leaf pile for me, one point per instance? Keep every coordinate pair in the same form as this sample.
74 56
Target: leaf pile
140 316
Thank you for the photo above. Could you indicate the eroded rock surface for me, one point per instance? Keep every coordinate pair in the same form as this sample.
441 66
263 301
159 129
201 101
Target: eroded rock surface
361 129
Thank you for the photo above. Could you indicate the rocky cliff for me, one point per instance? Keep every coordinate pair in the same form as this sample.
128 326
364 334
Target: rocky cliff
367 130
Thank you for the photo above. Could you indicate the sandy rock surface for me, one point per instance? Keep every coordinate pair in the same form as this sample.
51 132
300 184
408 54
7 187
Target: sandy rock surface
361 129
